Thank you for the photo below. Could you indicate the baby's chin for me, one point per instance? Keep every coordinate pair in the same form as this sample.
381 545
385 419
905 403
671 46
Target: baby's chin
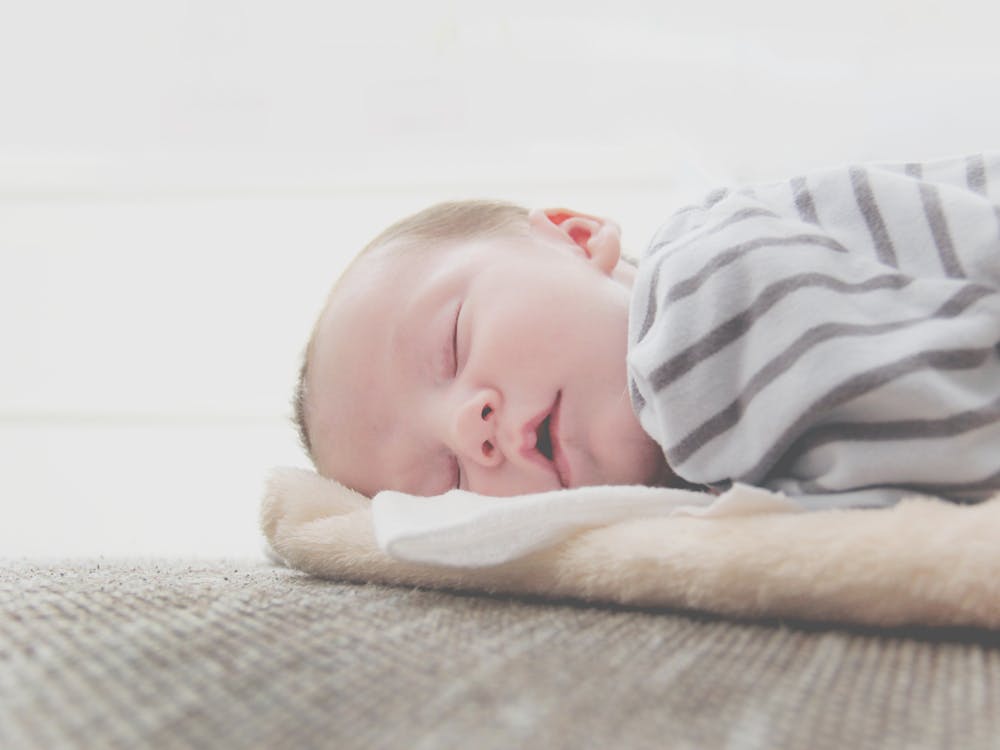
630 459
650 468
630 455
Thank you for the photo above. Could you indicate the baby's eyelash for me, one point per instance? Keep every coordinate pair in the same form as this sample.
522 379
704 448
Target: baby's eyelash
458 475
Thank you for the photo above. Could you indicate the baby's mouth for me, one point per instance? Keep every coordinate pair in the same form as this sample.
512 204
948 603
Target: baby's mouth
543 441
540 442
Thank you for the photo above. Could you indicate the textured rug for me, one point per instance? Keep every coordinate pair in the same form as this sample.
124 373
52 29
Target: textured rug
239 654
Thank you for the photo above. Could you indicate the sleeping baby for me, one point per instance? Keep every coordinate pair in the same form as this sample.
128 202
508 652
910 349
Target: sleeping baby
835 337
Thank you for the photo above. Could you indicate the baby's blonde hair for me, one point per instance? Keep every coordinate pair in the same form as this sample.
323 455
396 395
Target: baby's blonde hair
444 222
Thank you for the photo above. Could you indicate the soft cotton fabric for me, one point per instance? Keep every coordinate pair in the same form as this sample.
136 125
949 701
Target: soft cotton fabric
465 529
833 337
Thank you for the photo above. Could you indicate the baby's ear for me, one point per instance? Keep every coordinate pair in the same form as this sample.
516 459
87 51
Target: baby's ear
598 239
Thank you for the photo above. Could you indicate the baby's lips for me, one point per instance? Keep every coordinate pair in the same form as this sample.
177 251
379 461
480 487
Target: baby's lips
529 433
529 442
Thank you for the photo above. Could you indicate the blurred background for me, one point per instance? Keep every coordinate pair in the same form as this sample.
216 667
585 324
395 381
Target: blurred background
181 182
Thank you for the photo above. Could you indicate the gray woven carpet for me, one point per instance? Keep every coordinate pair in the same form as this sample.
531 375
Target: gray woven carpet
238 654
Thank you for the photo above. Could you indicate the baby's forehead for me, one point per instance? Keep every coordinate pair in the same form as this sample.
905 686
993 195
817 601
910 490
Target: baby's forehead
382 271
367 350
377 289
347 378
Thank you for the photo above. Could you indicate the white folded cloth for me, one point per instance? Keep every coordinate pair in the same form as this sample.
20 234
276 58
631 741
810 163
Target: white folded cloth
465 529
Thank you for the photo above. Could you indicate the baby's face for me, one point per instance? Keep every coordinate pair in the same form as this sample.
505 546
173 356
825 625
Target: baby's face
496 365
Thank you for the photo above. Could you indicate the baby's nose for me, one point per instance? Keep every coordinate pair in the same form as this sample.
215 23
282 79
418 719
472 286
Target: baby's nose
476 428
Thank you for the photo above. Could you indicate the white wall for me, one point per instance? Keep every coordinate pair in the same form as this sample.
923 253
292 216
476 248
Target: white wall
181 181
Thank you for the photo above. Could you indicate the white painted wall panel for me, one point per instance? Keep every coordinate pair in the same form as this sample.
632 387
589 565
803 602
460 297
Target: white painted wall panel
140 489
171 307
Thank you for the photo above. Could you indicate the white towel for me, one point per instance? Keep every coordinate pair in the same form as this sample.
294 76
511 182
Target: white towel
464 529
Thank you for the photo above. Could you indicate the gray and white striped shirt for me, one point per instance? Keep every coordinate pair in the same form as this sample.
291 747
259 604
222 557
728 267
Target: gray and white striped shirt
835 337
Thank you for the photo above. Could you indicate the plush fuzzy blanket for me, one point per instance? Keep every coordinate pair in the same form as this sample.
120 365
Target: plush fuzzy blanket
922 562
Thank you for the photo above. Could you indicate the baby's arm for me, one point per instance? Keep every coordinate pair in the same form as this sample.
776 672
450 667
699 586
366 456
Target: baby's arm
808 358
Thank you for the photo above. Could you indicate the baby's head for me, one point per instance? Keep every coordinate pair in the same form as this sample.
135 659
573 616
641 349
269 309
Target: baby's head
482 346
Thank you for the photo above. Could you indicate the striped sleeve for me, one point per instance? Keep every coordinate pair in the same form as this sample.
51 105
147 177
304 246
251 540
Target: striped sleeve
835 337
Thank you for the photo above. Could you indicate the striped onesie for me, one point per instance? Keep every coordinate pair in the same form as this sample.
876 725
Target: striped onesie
835 337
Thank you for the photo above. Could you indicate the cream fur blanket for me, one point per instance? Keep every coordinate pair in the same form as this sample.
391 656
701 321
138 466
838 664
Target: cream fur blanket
924 561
